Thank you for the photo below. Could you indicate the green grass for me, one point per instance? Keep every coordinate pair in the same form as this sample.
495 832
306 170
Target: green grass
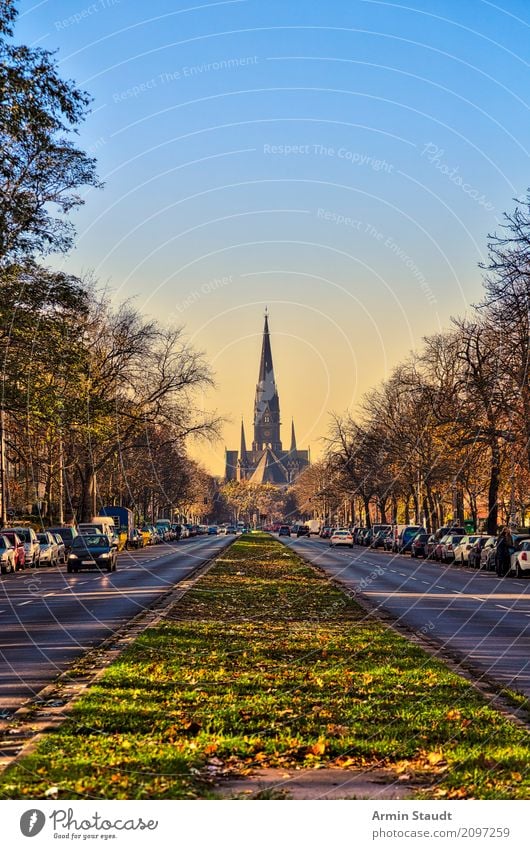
264 663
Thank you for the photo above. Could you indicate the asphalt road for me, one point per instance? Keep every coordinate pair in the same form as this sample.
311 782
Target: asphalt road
49 618
485 620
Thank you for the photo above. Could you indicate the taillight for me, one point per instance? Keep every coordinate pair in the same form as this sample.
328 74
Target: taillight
523 556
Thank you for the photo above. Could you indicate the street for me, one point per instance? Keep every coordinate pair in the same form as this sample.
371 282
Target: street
49 618
482 619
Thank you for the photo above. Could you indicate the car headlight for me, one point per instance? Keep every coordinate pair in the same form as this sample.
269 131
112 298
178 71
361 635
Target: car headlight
73 557
105 555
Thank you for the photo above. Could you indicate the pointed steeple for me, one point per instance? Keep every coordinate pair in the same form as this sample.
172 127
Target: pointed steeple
267 403
266 368
243 448
293 438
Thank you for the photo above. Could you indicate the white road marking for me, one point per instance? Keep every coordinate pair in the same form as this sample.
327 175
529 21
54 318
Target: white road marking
22 603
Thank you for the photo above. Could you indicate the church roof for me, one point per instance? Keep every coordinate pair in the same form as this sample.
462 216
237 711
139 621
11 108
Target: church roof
270 469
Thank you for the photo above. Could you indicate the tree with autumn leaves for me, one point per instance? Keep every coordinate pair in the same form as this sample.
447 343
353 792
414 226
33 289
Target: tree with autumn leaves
97 401
449 432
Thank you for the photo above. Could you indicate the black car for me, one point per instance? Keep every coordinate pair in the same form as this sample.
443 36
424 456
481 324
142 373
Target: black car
92 551
284 531
302 531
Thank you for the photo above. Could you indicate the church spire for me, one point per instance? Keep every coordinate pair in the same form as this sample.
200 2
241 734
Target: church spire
243 448
267 403
266 368
293 437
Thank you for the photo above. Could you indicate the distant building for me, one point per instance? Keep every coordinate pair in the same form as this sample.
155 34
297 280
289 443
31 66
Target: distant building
266 461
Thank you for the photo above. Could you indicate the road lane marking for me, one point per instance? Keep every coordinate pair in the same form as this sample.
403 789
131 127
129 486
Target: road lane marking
22 603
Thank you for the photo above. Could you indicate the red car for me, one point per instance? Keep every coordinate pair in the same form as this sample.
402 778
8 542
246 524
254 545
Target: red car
18 545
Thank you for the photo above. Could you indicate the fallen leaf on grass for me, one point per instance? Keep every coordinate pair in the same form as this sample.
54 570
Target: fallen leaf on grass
319 748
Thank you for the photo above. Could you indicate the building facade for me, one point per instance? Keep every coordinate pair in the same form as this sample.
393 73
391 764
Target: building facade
266 461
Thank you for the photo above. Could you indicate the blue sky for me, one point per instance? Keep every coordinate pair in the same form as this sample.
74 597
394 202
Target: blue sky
342 162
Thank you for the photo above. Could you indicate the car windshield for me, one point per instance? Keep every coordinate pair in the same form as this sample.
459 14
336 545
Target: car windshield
24 534
90 541
43 539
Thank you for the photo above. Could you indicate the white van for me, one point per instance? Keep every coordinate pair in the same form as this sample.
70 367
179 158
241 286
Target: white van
103 524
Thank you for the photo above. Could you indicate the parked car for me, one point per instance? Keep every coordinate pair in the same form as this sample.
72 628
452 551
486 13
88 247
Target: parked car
49 550
379 539
418 547
461 552
487 557
8 561
31 545
228 529
303 531
284 531
136 539
361 533
91 551
520 560
475 552
447 554
67 533
430 547
449 529
403 536
18 545
374 533
61 549
388 541
341 537
438 548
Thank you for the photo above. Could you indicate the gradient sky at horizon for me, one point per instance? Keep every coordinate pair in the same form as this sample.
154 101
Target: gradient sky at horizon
341 163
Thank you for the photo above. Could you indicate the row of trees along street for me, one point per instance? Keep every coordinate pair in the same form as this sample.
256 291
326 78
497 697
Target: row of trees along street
97 400
447 436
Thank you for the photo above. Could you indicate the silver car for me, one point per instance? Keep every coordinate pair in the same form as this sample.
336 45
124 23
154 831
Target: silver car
49 550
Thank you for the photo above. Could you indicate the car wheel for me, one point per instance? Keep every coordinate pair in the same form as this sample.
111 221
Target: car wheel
351 546
518 571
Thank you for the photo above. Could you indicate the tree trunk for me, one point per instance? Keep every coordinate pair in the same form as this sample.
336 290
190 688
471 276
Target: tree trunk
493 489
87 495
431 513
366 502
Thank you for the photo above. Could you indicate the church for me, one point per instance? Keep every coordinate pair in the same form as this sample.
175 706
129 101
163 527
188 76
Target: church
266 461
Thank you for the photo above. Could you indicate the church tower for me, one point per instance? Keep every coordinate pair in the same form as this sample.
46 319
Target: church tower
267 402
266 462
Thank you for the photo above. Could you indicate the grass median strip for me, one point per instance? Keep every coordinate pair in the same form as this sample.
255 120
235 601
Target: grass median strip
265 664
